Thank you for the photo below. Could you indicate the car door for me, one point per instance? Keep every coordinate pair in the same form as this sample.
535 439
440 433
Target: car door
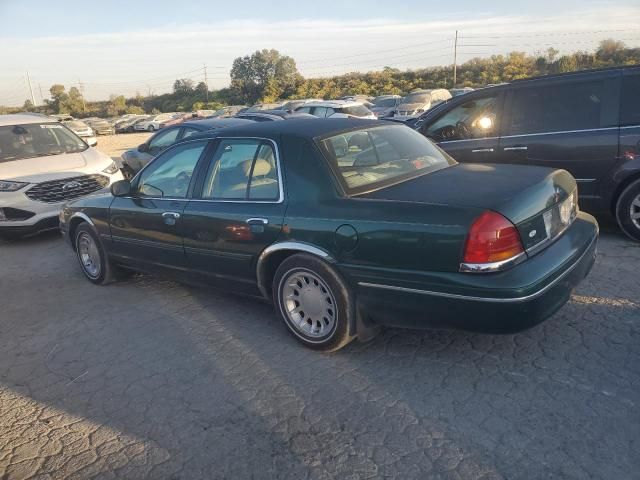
237 211
569 124
468 131
146 226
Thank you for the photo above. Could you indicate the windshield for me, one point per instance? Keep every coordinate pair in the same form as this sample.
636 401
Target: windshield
386 102
380 156
356 111
418 97
37 140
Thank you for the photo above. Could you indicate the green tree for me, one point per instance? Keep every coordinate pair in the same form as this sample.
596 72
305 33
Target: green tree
59 99
117 105
28 106
74 103
183 86
265 75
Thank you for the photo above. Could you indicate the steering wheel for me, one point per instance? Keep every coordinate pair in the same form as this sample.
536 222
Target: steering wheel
463 130
448 132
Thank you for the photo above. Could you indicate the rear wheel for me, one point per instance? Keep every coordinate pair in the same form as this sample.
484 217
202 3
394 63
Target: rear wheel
92 257
150 128
628 210
314 302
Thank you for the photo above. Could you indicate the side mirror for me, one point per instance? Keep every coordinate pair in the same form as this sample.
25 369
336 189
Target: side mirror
121 188
143 148
92 141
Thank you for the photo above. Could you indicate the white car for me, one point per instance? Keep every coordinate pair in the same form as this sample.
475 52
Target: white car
43 164
153 123
418 102
336 109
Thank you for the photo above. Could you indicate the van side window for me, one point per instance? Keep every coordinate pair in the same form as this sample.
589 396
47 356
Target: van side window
475 118
630 100
556 108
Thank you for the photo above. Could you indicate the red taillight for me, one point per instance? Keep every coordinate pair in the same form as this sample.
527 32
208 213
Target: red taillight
492 238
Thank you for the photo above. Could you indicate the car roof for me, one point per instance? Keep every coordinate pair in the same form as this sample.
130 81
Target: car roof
215 123
23 119
294 127
284 114
333 103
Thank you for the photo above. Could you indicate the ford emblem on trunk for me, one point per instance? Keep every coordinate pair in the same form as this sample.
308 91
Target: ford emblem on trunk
71 186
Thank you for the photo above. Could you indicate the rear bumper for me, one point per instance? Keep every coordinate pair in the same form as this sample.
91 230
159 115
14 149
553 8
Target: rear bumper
504 302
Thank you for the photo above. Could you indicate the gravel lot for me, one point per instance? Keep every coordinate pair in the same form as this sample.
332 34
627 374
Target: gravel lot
151 379
114 145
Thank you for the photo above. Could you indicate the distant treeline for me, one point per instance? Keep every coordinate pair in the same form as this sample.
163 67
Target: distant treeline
267 76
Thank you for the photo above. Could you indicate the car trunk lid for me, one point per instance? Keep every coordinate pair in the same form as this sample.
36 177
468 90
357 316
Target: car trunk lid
536 200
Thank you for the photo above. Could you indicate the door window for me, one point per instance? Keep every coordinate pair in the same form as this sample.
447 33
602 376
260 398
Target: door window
188 131
556 108
163 140
242 170
304 110
169 175
320 111
630 103
472 119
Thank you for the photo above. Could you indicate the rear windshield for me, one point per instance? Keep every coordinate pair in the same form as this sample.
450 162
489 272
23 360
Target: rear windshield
387 102
356 111
37 140
418 97
376 157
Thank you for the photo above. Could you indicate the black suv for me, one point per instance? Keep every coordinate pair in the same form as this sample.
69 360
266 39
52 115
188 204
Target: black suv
585 122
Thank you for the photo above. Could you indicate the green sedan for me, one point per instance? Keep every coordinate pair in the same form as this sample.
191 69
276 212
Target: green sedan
345 225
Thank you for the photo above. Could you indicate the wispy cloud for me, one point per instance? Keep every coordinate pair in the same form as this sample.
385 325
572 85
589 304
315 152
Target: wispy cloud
150 59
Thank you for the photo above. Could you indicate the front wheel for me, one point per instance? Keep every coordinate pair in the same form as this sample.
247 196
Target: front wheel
92 257
628 210
314 302
150 128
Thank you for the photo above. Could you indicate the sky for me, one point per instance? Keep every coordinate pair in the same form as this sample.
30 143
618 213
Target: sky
124 47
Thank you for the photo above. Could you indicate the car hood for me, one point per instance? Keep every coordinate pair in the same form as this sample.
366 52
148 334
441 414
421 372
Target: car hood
54 167
517 192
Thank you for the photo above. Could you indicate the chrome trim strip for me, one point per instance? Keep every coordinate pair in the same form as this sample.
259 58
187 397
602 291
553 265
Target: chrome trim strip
560 131
585 179
286 245
493 266
481 150
485 299
468 140
630 126
83 216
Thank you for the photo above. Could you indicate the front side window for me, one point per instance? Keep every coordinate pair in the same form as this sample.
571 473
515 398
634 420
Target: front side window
163 140
320 111
188 131
31 140
169 175
375 157
356 111
556 108
475 118
242 169
630 100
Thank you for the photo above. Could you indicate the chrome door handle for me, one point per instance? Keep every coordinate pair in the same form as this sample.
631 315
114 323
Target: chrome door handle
257 221
170 218
510 149
481 150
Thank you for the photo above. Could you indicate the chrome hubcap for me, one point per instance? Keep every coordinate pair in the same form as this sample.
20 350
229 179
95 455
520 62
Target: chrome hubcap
89 255
309 304
634 211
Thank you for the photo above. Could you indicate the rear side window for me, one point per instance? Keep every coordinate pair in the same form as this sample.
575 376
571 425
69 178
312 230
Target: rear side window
242 169
630 100
555 108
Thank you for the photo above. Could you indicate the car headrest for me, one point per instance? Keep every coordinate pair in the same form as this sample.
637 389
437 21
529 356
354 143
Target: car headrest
261 168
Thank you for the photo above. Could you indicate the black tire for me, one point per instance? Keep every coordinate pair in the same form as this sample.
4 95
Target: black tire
108 272
627 207
127 172
151 128
333 286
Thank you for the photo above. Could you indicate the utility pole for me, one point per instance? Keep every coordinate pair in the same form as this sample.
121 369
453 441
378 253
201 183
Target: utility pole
81 88
206 81
40 88
455 60
33 99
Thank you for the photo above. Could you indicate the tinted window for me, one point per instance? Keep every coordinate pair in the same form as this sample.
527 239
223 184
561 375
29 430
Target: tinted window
630 104
304 109
162 140
472 119
241 170
378 156
554 108
356 111
169 174
188 131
